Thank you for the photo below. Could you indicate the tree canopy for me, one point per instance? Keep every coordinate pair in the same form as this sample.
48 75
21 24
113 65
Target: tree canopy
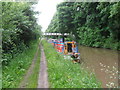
94 24
19 26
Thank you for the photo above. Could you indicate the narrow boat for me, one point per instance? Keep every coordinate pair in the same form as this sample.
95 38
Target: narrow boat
66 48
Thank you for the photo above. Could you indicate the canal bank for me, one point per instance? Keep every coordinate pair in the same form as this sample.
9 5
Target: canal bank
103 62
62 73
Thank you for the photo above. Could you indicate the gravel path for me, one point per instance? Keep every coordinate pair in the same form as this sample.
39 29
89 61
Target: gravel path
43 75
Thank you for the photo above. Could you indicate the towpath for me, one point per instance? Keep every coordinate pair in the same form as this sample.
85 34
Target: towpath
43 75
24 83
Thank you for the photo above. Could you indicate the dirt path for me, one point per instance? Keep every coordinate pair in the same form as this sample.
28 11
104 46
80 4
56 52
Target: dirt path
43 75
24 83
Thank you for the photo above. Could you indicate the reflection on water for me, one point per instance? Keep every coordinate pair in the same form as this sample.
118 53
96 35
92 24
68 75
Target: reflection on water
103 62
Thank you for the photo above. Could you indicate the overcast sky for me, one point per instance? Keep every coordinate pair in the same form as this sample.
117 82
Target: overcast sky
47 9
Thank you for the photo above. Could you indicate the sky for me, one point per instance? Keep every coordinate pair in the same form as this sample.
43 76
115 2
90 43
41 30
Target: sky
47 9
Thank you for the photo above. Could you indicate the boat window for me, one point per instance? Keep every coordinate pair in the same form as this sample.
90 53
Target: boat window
69 47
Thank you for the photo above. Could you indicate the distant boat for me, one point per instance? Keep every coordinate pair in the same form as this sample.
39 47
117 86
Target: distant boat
67 47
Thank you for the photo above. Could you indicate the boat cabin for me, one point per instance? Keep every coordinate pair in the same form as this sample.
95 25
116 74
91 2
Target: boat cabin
67 47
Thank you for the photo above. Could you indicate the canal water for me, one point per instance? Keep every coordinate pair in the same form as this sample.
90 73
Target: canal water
103 62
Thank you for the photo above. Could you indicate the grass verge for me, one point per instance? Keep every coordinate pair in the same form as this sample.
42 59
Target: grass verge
33 79
14 72
64 74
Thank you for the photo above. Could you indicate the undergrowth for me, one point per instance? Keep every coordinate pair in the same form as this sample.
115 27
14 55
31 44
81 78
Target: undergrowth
33 79
64 74
13 73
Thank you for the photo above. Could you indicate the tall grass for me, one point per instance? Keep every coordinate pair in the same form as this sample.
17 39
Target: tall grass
14 72
33 79
64 74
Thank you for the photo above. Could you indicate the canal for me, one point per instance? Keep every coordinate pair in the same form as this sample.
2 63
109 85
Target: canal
103 62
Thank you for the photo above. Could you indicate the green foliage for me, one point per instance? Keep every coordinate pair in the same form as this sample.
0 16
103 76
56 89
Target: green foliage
94 24
33 79
20 32
19 28
53 27
64 74
13 73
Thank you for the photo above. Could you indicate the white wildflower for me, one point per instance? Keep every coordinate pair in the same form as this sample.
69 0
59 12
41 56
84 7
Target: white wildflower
111 77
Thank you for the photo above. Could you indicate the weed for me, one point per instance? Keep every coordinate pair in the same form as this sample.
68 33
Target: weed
64 74
13 73
33 79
